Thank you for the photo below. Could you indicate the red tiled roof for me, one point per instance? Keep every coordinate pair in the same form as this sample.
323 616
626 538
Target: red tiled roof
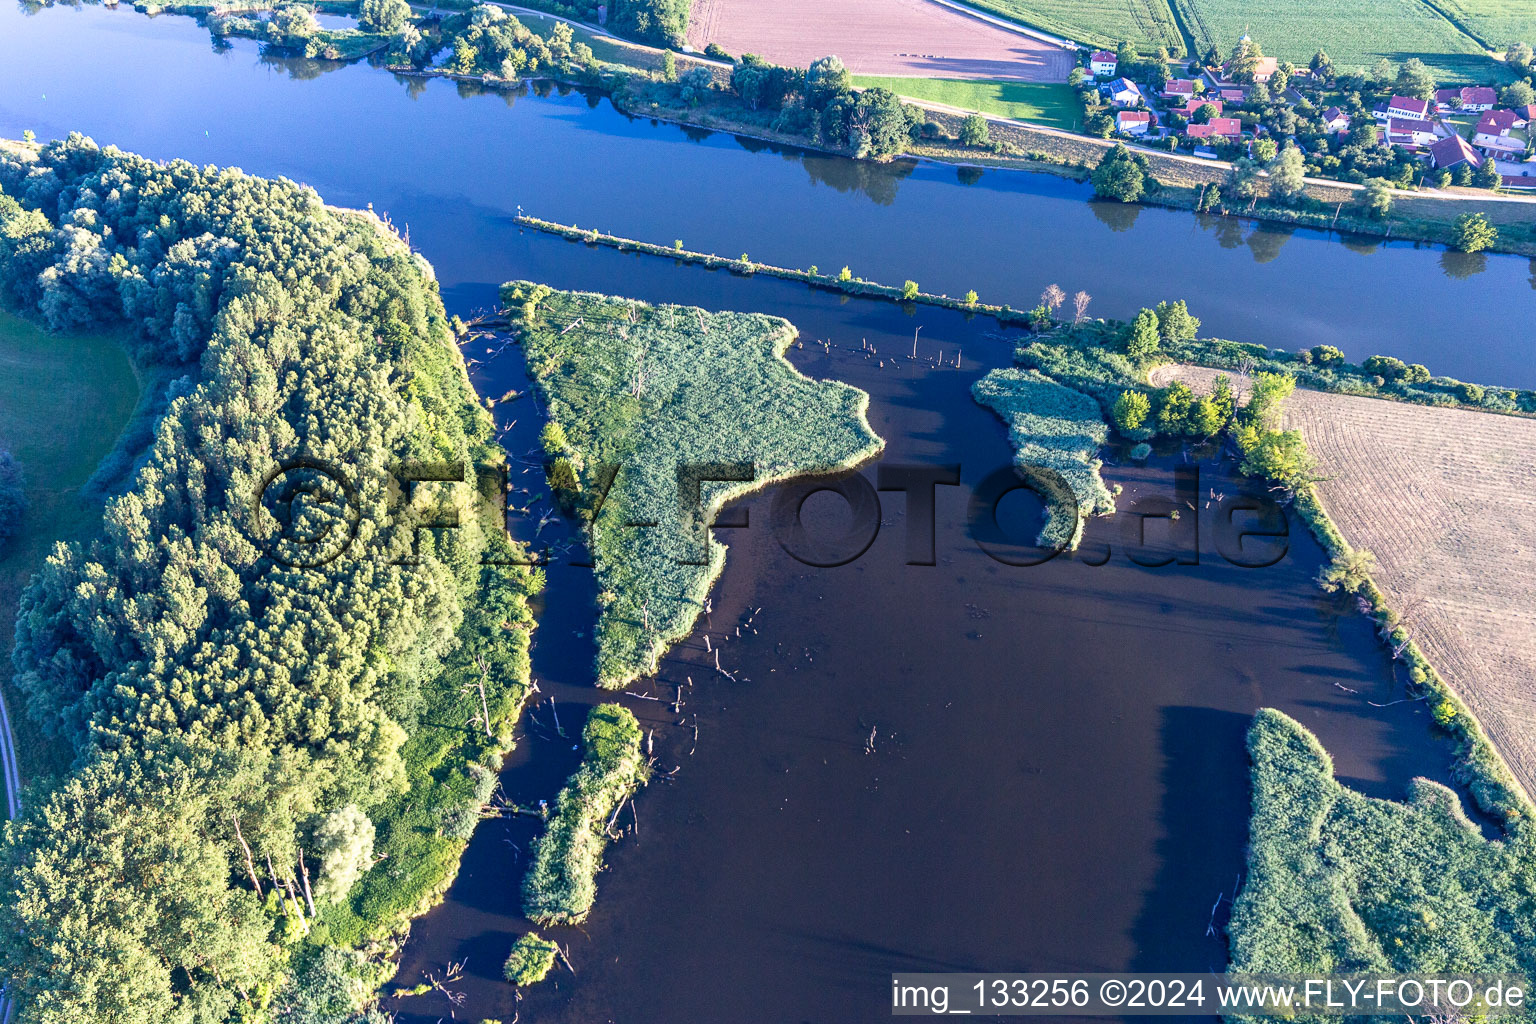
1478 94
1448 97
1179 87
1454 150
1517 181
1420 107
1403 126
1190 107
1134 115
1104 57
1497 122
1233 95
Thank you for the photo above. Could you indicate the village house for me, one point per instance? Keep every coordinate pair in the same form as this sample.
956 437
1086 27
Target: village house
1229 128
1472 98
1410 133
1133 122
1335 120
1500 147
1192 107
1406 108
1103 64
1232 95
1497 122
1478 98
1451 151
1179 88
1123 92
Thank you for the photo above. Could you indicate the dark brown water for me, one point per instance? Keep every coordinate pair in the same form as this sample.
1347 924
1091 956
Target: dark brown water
1058 778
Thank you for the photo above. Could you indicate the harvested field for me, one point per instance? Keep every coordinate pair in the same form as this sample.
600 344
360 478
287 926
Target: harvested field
914 38
1446 500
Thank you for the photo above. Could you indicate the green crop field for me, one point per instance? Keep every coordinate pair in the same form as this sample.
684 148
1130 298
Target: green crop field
1356 33
64 398
1495 22
1146 23
1048 103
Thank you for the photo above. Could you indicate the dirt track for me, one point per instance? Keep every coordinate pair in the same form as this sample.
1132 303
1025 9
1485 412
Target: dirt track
1446 500
916 38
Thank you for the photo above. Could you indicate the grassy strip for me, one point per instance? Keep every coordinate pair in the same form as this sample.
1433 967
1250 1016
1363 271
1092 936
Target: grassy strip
562 879
1339 882
64 399
1055 432
1048 103
843 282
663 412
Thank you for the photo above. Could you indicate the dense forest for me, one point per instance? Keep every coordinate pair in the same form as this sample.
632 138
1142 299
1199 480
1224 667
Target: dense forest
243 729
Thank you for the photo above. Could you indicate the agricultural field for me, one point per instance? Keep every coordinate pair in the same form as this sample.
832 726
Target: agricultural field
64 398
1046 103
1495 22
1446 500
879 37
1356 33
651 389
1147 24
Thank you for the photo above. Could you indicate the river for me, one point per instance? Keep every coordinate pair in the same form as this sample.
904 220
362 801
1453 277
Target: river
967 765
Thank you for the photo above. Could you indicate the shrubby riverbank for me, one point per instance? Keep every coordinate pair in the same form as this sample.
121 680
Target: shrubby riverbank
263 788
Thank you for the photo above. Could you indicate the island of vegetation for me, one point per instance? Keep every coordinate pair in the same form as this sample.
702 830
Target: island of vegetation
1340 883
659 415
561 884
264 770
1056 433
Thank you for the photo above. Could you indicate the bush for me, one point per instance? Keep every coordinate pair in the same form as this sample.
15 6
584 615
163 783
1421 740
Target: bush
531 960
974 131
1131 411
1141 452
1142 335
1121 175
1473 233
1385 367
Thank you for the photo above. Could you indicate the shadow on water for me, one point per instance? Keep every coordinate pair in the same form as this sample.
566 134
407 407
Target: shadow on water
958 766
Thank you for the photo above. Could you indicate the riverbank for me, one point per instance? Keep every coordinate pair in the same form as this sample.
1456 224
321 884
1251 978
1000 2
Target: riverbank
632 75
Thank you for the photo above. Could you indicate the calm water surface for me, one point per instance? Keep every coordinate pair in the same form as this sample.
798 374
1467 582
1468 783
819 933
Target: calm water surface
454 170
1057 778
